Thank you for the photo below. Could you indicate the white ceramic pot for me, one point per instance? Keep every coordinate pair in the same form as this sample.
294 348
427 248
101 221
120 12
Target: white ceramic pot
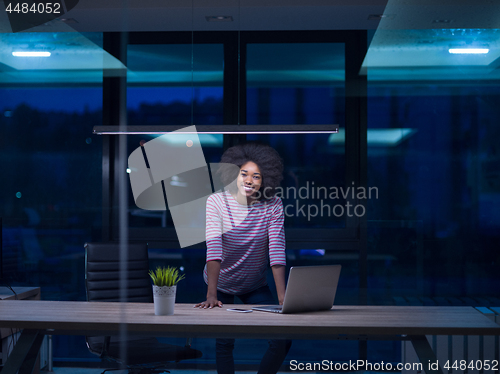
164 300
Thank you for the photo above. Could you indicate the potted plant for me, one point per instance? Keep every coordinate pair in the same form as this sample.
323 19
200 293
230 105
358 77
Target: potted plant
165 281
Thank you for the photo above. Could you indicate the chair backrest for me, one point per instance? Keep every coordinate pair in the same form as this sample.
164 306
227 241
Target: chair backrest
102 272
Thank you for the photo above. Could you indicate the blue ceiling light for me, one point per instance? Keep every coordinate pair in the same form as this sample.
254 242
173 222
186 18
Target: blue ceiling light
31 54
476 51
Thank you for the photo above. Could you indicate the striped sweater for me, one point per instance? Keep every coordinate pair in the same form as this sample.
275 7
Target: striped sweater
245 239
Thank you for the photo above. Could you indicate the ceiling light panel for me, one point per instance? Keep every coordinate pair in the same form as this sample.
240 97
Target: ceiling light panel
68 51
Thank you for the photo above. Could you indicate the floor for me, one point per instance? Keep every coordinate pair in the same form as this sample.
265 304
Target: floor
65 370
99 371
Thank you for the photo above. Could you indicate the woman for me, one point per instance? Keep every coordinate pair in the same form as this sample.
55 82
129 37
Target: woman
251 218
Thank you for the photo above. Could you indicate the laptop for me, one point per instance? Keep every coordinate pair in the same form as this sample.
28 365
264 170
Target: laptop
309 288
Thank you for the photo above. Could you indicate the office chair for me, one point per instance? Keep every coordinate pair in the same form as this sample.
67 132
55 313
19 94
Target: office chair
102 280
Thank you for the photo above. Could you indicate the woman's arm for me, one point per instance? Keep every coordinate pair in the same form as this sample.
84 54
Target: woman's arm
277 256
279 281
213 269
214 252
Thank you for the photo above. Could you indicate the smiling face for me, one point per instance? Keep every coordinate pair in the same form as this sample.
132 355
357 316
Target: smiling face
249 180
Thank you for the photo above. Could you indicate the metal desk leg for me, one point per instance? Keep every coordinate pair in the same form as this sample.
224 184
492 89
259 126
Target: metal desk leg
425 354
50 363
23 358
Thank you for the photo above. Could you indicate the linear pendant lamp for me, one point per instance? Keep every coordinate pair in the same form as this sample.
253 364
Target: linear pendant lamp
218 129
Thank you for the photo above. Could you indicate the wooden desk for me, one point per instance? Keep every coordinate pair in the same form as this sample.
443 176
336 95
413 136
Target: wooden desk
21 293
341 322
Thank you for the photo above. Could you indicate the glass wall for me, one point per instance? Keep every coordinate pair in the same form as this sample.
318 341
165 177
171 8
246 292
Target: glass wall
436 237
174 84
431 128
302 84
171 84
432 153
51 164
50 195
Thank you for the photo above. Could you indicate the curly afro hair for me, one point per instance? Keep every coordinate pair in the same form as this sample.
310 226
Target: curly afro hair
267 159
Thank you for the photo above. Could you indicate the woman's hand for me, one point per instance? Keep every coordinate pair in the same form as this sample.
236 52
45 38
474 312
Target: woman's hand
209 303
213 269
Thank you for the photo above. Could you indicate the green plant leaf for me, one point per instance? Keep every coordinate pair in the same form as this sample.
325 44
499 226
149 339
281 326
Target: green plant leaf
165 276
